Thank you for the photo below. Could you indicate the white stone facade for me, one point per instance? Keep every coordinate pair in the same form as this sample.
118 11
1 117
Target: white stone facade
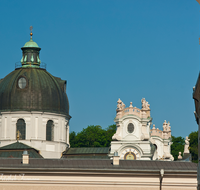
162 140
134 139
36 131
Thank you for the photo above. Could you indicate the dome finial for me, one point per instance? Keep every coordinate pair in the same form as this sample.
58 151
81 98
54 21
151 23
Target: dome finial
31 28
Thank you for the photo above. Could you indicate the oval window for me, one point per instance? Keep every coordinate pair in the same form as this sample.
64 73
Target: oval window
130 127
22 83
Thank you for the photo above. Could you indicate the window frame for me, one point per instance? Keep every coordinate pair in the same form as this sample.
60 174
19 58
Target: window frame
21 127
18 81
50 130
129 126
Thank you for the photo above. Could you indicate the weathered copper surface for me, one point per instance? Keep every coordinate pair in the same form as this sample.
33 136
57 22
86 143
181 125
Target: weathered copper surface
43 92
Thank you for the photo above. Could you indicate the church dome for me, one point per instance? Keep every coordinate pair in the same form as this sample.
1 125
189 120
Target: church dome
31 43
31 88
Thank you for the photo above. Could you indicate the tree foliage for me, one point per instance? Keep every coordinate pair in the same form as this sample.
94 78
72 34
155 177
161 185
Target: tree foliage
92 136
193 136
177 146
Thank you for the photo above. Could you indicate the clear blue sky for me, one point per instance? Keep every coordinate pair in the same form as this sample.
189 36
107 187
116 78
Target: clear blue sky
110 49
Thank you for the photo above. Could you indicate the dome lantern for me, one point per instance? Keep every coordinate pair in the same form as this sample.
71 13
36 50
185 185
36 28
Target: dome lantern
30 53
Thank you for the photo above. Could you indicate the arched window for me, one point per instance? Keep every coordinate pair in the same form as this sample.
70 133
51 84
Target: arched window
21 129
49 131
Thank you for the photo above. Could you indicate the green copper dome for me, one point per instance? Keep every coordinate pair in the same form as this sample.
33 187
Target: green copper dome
31 43
33 89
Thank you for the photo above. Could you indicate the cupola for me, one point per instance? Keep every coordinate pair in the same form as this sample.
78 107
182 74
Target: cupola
30 53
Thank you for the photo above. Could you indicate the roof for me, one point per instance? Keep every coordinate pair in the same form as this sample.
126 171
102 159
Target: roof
16 146
87 153
83 156
88 150
43 92
126 165
31 43
15 150
18 154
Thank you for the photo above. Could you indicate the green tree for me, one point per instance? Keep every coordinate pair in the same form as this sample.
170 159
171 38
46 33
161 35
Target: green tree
193 136
177 146
110 131
92 136
72 139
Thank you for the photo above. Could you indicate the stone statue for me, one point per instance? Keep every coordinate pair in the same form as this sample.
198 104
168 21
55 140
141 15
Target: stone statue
119 104
187 144
145 104
165 126
123 105
179 156
168 126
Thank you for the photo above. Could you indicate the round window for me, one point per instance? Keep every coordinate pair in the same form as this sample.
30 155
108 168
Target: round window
22 83
130 127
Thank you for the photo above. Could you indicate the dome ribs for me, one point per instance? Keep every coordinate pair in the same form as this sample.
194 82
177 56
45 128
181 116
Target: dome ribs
43 92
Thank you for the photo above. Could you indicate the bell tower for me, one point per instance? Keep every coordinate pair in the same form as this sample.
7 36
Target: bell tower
132 137
134 140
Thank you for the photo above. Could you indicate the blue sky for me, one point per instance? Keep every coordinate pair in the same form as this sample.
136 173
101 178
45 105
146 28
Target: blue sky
112 49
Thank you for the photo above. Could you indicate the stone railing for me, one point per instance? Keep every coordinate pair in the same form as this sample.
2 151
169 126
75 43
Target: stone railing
19 65
141 113
134 111
157 132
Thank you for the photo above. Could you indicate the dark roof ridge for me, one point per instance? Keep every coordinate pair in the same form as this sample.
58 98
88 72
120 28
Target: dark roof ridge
17 146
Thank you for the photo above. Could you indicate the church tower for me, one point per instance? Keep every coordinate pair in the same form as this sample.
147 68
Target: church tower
134 140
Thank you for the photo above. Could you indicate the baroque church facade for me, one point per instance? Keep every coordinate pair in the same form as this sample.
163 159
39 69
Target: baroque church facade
135 140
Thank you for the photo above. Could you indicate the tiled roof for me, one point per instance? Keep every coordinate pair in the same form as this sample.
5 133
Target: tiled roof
88 150
93 164
18 154
83 156
15 150
16 146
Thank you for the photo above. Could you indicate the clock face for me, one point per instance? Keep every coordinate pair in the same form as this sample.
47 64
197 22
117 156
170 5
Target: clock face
130 154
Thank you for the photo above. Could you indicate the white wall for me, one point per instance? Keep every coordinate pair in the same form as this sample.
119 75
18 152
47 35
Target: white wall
36 131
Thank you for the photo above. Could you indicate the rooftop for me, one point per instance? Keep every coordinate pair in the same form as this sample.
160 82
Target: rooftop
91 164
